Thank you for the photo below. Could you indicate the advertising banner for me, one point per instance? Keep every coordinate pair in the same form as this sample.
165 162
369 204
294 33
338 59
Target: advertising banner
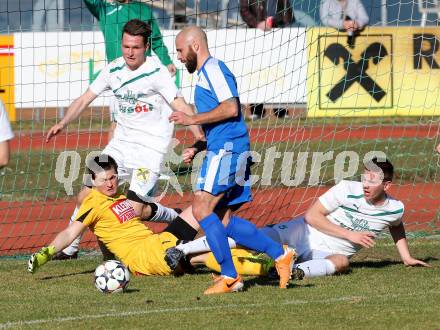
388 72
7 87
52 69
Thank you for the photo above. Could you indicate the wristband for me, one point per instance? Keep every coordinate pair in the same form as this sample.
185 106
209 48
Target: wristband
200 145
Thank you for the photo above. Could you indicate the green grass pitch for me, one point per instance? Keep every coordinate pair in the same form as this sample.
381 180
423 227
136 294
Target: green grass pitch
379 292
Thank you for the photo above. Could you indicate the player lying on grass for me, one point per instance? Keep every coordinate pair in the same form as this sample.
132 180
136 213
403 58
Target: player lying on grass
343 220
113 220
111 217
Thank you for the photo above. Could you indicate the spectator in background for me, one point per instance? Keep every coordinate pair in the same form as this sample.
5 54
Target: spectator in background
48 15
6 134
266 15
348 15
438 148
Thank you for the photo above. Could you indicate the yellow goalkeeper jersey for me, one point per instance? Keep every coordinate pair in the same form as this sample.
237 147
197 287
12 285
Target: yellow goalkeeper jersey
114 222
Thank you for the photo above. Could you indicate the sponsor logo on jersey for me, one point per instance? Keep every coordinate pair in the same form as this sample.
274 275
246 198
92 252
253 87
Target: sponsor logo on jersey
136 109
357 224
128 97
123 210
129 103
143 175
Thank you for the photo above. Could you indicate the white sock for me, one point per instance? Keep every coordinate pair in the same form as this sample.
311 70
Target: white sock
200 245
74 246
318 267
164 214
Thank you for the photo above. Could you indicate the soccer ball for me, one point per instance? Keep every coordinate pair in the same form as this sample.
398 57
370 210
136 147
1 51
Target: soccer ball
111 277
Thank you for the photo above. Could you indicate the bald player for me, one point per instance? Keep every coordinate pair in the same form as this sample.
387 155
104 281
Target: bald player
223 181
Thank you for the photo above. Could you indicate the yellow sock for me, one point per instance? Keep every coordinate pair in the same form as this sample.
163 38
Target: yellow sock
245 262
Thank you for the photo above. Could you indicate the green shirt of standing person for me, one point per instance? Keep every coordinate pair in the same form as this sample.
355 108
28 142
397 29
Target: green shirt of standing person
112 15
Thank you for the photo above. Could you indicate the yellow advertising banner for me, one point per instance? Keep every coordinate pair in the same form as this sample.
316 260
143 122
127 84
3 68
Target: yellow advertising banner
386 72
7 85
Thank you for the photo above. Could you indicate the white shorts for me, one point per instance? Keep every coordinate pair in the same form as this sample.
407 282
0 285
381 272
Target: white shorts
295 233
137 165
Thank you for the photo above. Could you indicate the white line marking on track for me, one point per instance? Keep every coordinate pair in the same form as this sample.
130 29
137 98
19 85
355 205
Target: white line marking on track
206 308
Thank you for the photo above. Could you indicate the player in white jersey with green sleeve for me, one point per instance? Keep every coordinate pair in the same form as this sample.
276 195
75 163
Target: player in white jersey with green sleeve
348 208
6 134
146 96
343 220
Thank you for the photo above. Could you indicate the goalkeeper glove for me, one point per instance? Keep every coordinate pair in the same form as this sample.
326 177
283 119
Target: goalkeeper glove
40 258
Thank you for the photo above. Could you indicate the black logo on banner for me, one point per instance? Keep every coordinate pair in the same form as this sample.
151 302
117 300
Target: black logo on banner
356 72
426 46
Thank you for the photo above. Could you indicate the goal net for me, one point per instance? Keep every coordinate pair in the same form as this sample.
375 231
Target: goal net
316 104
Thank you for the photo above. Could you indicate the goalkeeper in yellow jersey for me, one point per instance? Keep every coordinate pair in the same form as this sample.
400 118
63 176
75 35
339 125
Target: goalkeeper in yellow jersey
113 220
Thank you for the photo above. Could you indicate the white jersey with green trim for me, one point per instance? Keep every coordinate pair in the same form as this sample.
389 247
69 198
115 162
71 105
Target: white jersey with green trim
144 96
5 126
349 209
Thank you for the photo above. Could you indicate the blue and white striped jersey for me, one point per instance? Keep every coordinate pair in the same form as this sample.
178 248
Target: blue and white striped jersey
216 83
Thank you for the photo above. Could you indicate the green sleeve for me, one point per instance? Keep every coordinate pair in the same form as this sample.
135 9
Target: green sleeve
157 44
93 6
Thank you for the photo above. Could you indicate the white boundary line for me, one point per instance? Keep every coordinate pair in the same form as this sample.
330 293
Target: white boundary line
206 308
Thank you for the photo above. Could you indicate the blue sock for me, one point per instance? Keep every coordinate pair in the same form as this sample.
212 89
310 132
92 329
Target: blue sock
218 242
246 233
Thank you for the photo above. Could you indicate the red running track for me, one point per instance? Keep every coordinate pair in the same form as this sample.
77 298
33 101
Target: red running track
27 226
87 140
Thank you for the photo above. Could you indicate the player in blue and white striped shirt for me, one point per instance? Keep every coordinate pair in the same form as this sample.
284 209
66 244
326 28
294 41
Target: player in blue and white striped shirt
223 182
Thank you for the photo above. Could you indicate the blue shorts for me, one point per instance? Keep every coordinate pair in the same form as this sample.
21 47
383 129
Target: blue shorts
226 172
